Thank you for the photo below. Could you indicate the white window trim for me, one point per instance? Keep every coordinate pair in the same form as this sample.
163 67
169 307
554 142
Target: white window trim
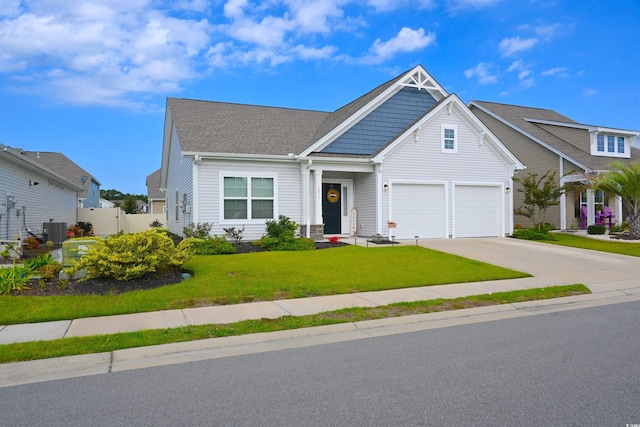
248 175
606 153
455 138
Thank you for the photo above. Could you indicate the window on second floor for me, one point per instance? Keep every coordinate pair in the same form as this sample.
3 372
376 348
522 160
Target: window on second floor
610 146
449 138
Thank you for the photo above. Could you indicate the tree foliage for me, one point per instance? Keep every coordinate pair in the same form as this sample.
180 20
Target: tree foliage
540 193
113 194
624 181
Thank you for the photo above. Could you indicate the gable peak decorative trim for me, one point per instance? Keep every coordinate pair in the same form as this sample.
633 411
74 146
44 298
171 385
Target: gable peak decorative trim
420 79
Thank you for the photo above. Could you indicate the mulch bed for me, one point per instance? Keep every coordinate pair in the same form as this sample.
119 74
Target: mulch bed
105 286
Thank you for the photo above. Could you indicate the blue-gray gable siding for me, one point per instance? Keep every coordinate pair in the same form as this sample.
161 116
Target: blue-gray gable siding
383 124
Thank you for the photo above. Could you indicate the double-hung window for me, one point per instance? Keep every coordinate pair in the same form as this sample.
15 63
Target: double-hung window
611 143
600 143
248 197
620 144
449 138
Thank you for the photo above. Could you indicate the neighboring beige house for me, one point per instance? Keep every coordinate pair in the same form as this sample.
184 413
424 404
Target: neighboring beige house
157 201
545 140
406 159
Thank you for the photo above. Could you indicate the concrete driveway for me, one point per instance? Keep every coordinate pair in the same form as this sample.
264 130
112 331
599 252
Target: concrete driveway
551 264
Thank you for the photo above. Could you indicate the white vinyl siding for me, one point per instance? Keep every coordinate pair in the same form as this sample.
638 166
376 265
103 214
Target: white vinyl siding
180 181
365 203
420 159
51 199
286 193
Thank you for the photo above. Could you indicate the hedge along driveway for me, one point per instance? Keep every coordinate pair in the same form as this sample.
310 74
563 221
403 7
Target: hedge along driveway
229 279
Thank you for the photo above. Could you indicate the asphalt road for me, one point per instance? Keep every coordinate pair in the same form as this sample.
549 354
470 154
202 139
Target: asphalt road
570 368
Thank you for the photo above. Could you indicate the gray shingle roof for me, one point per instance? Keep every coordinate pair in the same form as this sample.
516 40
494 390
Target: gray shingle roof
153 186
64 166
570 141
225 128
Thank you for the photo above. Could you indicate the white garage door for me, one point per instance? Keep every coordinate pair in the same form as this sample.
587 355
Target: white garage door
418 210
477 211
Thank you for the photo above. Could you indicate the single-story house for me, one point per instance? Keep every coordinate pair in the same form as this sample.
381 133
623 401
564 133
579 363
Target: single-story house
406 159
157 202
545 140
89 196
32 196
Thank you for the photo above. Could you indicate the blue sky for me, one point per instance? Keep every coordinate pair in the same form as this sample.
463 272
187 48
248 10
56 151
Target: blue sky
90 78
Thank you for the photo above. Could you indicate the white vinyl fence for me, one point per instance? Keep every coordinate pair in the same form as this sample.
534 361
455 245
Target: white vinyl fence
108 221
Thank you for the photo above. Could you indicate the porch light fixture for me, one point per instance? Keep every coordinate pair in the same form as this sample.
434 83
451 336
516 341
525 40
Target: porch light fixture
385 187
507 190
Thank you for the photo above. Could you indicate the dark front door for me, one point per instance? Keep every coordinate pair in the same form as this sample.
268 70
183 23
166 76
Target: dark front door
331 214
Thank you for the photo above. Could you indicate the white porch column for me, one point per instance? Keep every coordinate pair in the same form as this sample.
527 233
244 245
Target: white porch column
618 211
591 208
304 172
317 185
378 192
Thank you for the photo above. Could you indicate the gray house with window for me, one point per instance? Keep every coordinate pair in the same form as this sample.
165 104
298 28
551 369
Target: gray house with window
545 140
406 159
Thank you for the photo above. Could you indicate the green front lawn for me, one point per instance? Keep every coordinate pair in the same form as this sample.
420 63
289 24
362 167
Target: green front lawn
231 279
571 240
103 343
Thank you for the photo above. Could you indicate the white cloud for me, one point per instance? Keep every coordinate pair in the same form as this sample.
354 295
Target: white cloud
10 7
101 52
315 16
523 69
483 72
588 92
557 71
512 45
407 40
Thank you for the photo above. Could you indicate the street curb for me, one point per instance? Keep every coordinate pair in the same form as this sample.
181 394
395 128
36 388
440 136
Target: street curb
18 373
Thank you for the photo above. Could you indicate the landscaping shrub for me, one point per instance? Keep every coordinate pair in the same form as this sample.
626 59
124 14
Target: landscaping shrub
282 229
622 228
533 234
15 278
213 246
130 256
44 266
81 229
30 243
596 229
201 230
281 236
234 234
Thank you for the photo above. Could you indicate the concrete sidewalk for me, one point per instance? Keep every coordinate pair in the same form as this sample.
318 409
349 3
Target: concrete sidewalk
605 274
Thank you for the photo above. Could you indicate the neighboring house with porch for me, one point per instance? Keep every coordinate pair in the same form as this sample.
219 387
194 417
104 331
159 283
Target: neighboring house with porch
406 159
32 195
157 202
545 140
89 196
